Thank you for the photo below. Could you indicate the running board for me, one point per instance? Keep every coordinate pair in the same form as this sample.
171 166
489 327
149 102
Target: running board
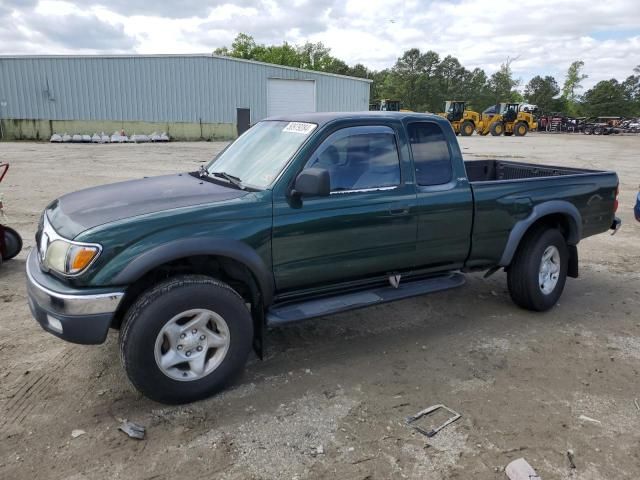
296 311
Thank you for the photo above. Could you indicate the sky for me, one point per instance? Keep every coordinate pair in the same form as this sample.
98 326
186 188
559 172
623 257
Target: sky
543 36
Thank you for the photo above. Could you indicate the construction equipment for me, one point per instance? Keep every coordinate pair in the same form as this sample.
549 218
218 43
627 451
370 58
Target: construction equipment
10 240
510 121
385 105
463 121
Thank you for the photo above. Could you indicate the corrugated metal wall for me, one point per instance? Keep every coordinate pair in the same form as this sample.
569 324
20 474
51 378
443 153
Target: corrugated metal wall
155 88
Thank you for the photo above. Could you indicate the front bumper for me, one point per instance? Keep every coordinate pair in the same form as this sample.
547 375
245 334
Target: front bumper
76 315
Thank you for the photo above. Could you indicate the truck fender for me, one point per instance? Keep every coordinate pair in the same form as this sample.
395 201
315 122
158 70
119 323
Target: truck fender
189 247
568 210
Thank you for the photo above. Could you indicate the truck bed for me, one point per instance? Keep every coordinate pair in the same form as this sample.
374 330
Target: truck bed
495 170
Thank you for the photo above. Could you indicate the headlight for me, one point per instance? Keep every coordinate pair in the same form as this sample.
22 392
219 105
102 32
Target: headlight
69 258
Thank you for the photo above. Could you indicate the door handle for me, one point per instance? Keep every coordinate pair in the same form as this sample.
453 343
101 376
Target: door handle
399 210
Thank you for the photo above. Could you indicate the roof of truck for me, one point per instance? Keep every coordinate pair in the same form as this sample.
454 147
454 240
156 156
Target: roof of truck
326 117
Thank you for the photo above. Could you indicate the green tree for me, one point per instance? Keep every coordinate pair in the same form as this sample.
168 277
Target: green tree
502 84
608 97
541 91
572 83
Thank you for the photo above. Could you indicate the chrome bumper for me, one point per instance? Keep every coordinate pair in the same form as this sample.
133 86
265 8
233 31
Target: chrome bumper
77 315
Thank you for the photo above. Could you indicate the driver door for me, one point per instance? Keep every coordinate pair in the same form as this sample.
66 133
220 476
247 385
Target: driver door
366 226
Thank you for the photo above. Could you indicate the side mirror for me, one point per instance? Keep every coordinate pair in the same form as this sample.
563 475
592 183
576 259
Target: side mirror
312 182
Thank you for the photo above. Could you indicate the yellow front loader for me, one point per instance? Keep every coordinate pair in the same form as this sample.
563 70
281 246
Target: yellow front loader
509 120
463 121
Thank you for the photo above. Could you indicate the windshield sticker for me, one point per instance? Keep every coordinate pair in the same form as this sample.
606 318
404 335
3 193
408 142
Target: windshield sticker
299 127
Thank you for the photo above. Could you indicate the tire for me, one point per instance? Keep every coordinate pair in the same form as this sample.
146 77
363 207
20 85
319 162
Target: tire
523 275
466 129
497 129
12 243
588 130
521 129
155 317
598 131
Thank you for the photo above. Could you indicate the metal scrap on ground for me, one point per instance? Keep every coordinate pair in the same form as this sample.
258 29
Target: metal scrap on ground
132 429
520 469
427 411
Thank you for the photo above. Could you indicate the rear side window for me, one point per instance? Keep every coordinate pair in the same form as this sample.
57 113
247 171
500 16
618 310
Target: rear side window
431 156
359 158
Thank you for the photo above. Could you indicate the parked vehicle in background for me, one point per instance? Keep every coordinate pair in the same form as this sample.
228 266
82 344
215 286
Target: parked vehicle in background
302 216
10 240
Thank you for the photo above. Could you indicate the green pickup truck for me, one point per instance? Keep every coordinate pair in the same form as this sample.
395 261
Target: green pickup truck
302 216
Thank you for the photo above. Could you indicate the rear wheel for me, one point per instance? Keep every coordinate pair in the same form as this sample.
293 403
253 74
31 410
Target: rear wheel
598 130
538 272
497 129
521 129
12 243
466 129
588 130
185 339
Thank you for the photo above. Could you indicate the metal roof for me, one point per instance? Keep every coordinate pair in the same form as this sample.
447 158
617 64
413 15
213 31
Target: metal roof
188 55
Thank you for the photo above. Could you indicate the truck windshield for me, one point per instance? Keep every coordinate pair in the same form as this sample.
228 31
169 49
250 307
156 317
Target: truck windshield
258 156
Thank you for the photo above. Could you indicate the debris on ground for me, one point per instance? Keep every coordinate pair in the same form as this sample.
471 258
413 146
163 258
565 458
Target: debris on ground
635 401
589 419
430 433
132 429
520 469
76 433
570 456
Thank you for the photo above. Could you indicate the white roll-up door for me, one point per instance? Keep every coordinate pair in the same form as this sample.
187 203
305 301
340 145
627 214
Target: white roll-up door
290 96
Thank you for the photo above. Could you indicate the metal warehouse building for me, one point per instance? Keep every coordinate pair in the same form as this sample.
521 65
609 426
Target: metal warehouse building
188 96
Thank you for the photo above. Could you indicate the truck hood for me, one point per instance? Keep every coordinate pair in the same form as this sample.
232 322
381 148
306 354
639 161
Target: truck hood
76 212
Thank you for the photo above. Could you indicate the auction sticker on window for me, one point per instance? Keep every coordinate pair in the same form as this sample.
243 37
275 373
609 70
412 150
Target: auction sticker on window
299 127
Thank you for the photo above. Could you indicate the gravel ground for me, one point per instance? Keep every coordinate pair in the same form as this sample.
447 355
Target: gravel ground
330 399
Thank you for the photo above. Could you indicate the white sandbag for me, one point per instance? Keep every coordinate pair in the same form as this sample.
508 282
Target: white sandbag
155 137
105 138
55 138
86 138
164 137
66 138
95 138
76 138
139 138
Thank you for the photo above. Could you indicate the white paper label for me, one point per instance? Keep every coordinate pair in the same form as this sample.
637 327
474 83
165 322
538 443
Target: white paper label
299 127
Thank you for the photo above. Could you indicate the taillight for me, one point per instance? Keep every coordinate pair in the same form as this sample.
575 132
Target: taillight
615 202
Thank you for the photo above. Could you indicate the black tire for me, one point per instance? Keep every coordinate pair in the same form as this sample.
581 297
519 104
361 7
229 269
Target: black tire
466 129
12 243
520 129
155 308
598 130
497 129
588 130
523 273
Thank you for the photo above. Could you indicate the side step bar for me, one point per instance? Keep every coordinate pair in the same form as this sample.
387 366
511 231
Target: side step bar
296 311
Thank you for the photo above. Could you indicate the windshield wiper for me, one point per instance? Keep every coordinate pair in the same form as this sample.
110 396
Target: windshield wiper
229 178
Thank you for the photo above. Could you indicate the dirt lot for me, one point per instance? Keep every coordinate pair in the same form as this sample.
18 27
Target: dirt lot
343 384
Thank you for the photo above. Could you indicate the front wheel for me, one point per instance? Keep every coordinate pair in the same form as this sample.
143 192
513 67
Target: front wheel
538 272
521 129
185 339
497 129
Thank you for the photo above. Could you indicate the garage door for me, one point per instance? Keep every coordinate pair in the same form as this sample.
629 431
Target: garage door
290 96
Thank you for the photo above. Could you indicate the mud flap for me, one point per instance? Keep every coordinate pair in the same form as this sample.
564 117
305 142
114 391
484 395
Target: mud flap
572 269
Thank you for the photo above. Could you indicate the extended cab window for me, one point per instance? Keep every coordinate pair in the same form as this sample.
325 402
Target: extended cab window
359 158
430 154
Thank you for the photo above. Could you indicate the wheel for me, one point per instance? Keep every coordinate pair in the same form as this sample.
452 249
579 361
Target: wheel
538 272
521 129
598 130
12 243
588 130
185 339
497 129
466 129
